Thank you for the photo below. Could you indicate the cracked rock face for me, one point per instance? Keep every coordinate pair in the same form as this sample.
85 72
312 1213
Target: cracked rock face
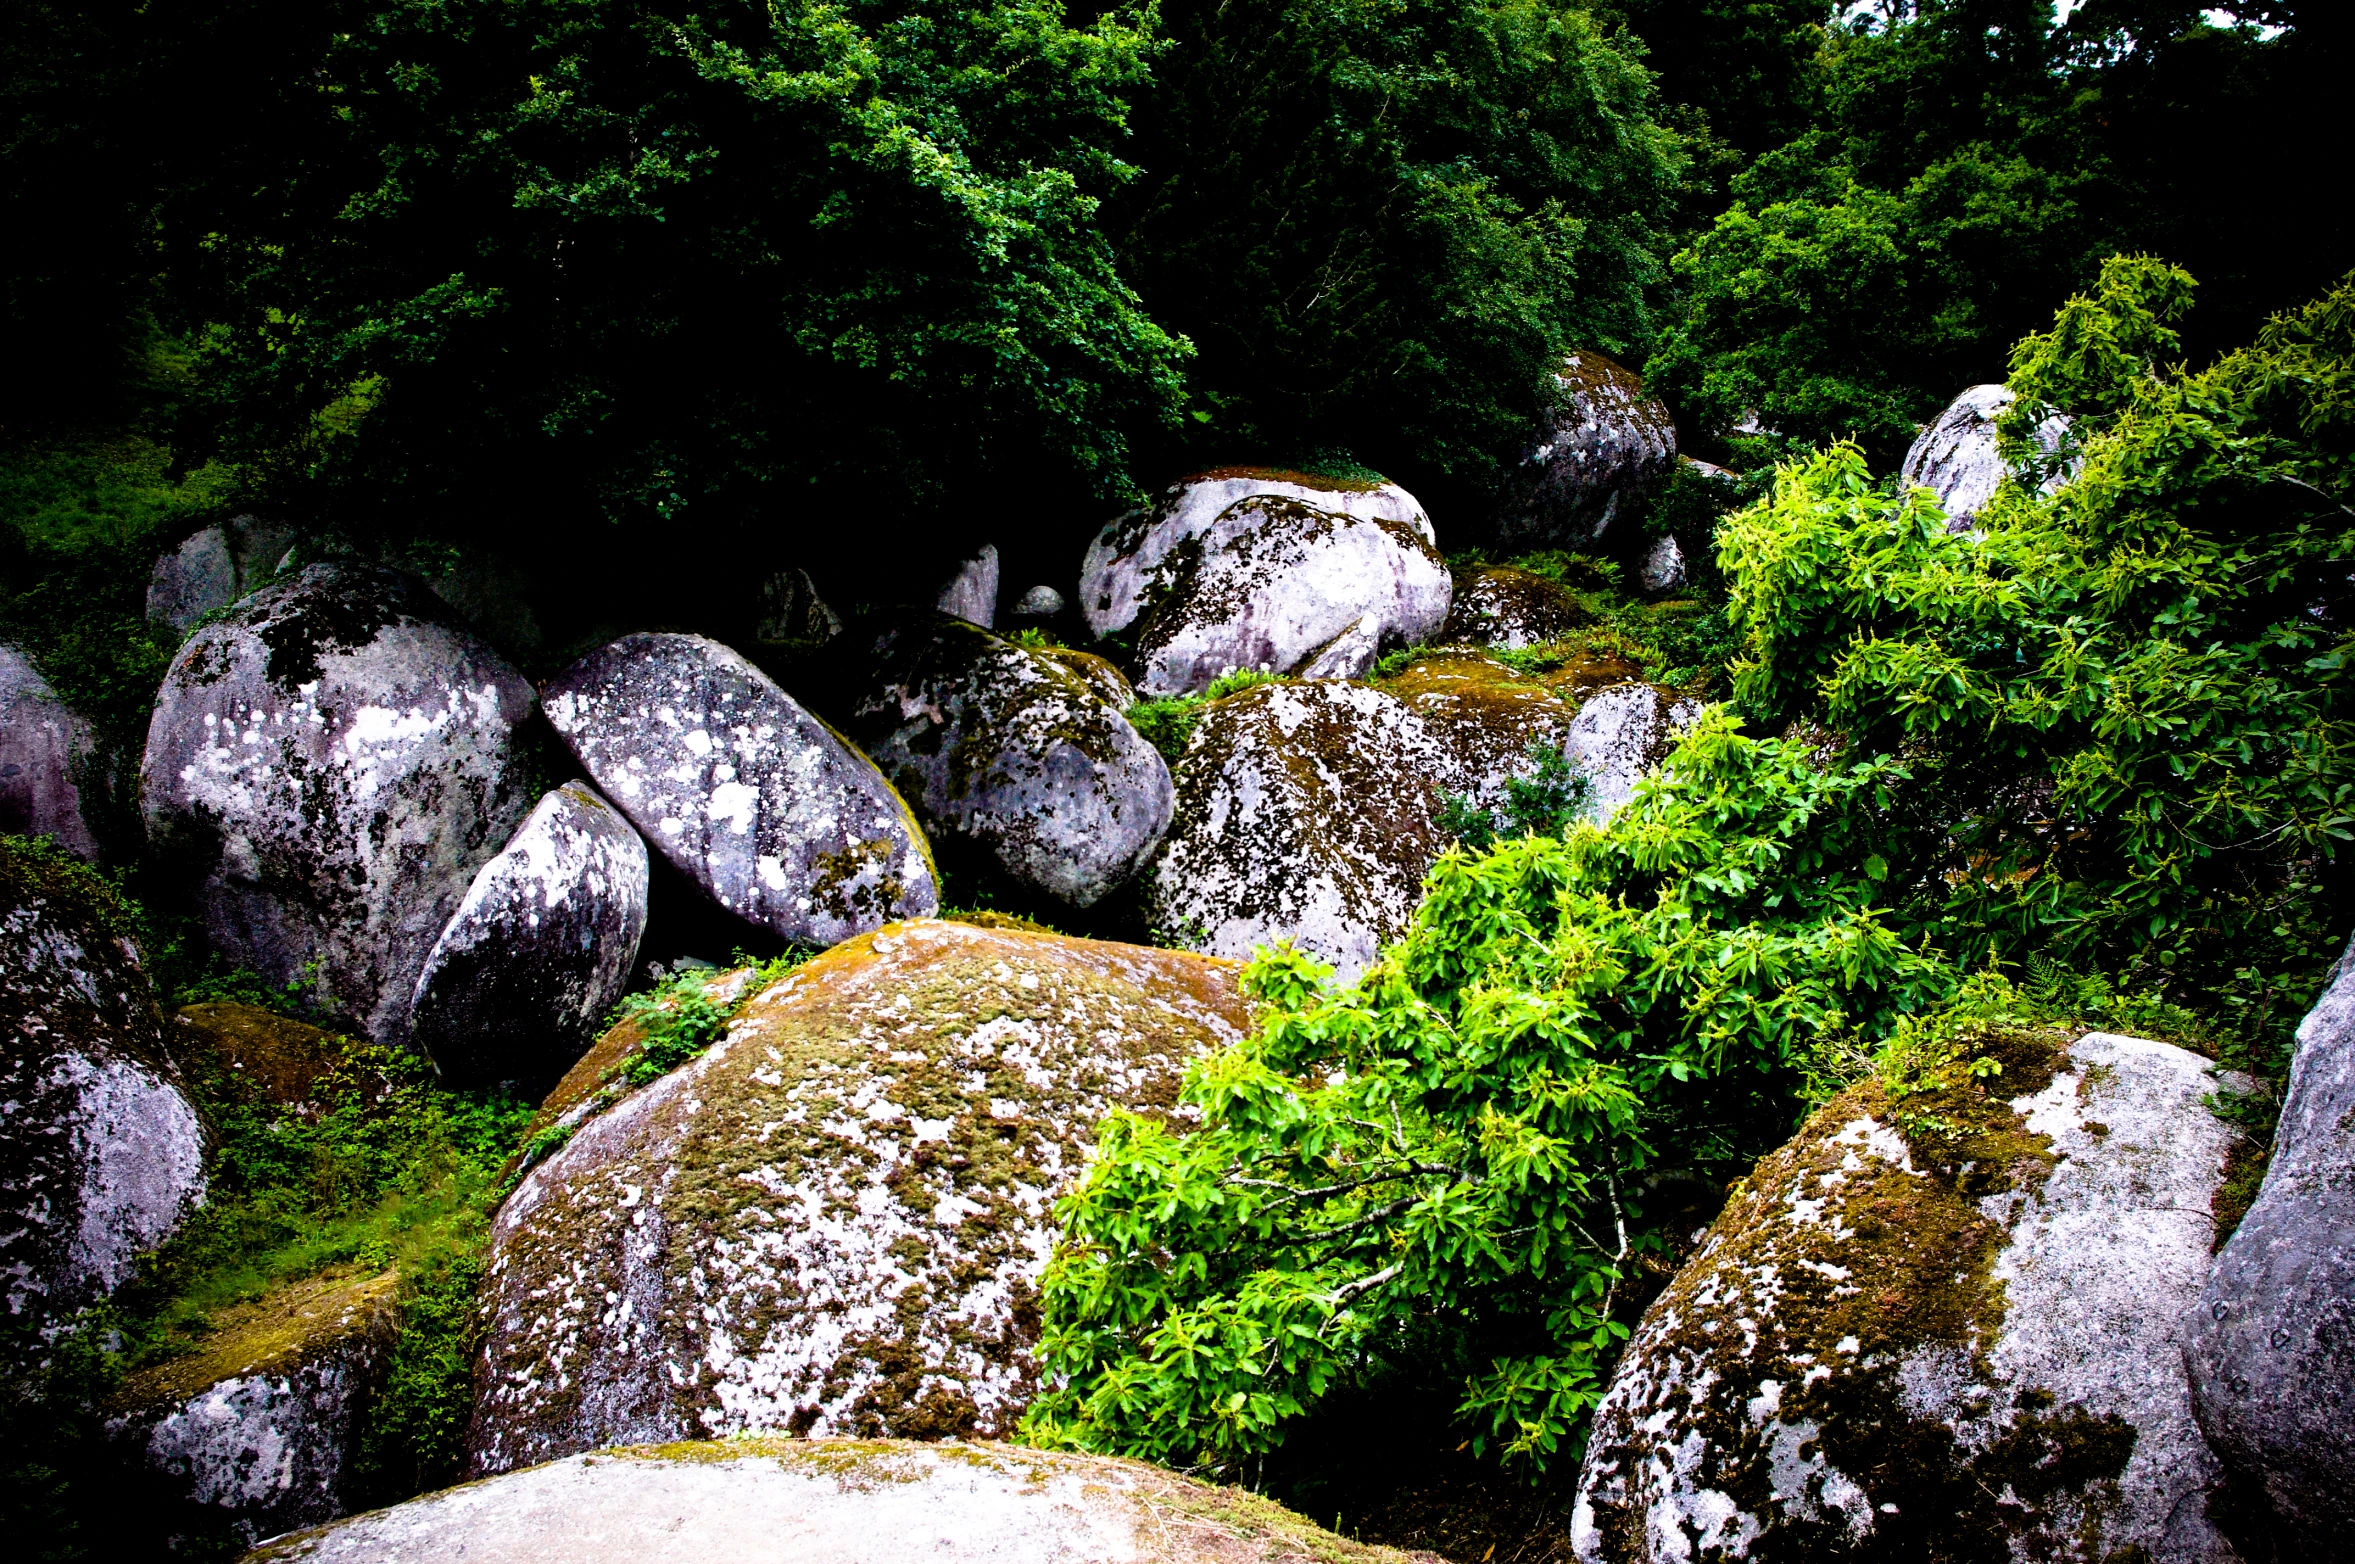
1608 442
43 744
540 948
1956 456
2271 1346
1960 1341
835 1220
1304 811
759 803
334 760
101 1154
1013 752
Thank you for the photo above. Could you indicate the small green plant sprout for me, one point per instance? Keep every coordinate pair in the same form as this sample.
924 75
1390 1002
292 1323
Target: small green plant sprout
1236 680
1035 638
1166 722
1393 663
679 1020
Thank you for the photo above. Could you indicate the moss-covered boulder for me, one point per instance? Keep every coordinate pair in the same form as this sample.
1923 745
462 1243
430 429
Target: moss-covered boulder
772 813
540 948
835 1219
1942 1327
101 1152
1607 442
1099 674
332 761
1305 811
1131 561
1956 457
763 1499
256 1432
1009 754
1510 609
44 747
274 1058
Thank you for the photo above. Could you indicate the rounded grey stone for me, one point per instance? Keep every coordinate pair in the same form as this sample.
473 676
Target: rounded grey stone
1607 442
1955 456
44 746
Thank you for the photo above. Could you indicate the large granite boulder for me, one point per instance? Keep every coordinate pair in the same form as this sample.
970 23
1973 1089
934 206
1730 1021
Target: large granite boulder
1131 561
2271 1346
834 1220
255 1433
44 747
1510 609
1487 716
213 568
273 1059
1304 812
101 1153
1619 734
1944 1326
1275 584
1607 442
1012 753
1956 457
540 948
971 591
767 1500
333 761
768 810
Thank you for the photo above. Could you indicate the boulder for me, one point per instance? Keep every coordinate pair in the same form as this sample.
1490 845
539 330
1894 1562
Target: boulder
1278 585
764 1500
792 613
45 746
1947 1326
213 568
275 1059
763 806
1663 567
1011 753
333 761
1956 456
1040 602
971 593
540 948
834 1220
2271 1346
1607 442
101 1152
1097 673
255 1433
1619 734
1485 716
1304 812
1510 609
1131 561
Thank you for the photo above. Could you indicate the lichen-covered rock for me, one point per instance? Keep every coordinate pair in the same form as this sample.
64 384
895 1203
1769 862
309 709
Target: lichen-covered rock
1097 673
101 1153
540 948
1486 716
767 1500
1304 812
1619 734
44 746
770 811
334 760
1663 567
971 592
276 1058
255 1433
792 613
1278 585
1958 1341
1510 609
2271 1346
1132 560
835 1219
214 568
1040 602
1013 753
1607 442
1956 456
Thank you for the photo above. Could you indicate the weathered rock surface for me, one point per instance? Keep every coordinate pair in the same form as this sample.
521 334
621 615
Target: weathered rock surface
1132 561
256 1432
833 1501
1956 456
1663 567
1485 716
1040 602
792 613
1012 752
971 593
277 1059
1510 609
835 1219
214 568
540 948
1619 734
1278 585
1097 673
1304 811
2271 1346
1961 1343
44 746
101 1154
1608 442
335 759
758 802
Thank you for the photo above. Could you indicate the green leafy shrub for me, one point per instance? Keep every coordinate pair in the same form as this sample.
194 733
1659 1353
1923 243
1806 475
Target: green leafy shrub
677 1021
1166 722
1547 800
1237 681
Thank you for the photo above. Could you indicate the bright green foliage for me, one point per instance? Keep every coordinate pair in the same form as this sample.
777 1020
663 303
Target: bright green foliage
1463 1136
1544 801
2132 686
678 1021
